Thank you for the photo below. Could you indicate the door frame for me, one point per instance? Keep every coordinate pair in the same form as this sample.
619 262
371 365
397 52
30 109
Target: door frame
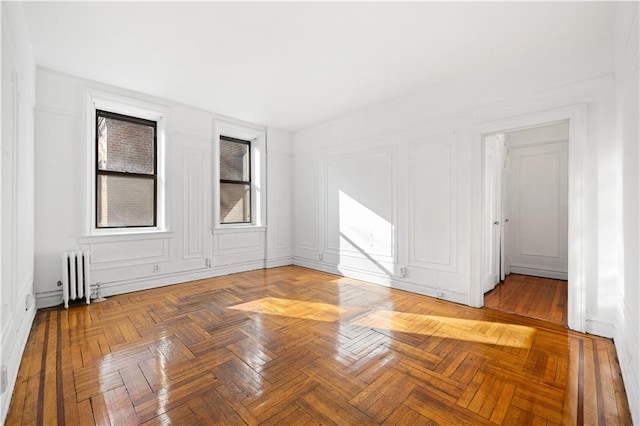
576 115
493 211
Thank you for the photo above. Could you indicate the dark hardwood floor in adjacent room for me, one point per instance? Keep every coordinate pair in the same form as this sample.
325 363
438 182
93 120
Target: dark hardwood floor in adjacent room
295 346
534 297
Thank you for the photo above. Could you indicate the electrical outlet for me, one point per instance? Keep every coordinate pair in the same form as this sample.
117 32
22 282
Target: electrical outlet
402 271
320 256
156 267
28 302
207 262
4 379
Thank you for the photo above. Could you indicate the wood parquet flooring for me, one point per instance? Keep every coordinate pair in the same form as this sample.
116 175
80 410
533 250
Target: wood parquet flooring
535 297
295 346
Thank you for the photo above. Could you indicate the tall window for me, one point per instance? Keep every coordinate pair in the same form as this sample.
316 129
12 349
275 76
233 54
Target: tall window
126 171
235 180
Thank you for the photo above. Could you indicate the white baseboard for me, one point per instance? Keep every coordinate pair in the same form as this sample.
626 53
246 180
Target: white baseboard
545 273
276 262
626 343
600 327
391 281
54 297
47 299
630 378
350 272
13 345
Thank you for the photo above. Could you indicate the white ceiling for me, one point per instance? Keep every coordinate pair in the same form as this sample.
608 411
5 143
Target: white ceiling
291 65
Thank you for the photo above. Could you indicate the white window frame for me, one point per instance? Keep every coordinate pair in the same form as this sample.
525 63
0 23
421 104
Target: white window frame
257 137
98 100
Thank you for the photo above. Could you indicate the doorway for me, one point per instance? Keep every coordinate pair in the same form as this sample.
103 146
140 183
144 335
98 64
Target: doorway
526 202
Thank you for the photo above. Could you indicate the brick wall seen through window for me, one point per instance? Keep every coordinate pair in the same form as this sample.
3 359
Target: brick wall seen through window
125 171
235 180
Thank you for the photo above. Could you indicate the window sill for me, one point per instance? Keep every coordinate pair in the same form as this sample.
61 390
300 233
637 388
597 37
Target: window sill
236 228
126 236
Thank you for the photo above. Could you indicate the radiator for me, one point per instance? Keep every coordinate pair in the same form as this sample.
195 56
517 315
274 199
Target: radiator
75 276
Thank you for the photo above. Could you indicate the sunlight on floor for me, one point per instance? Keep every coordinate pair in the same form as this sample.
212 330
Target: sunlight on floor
294 308
469 330
494 333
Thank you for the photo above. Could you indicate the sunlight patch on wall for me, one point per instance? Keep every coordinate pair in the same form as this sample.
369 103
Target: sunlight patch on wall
363 229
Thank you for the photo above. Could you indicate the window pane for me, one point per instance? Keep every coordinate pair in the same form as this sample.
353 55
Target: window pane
125 201
234 161
125 147
235 203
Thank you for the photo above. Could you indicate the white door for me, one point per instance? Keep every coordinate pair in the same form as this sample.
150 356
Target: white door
493 174
505 268
538 207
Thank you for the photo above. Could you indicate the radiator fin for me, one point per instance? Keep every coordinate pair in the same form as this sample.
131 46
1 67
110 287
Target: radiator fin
75 276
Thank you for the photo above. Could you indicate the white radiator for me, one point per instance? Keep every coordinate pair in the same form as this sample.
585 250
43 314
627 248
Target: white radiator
75 276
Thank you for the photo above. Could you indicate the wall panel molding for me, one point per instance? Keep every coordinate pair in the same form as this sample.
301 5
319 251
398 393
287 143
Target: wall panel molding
433 198
361 204
238 242
306 213
193 200
112 254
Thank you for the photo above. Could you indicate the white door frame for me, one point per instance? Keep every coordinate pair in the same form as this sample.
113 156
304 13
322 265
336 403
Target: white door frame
576 115
492 213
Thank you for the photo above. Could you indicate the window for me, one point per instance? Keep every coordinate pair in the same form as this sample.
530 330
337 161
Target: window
126 165
239 169
235 180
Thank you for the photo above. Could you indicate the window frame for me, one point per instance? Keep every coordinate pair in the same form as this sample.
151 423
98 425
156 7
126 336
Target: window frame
257 137
137 108
98 172
238 182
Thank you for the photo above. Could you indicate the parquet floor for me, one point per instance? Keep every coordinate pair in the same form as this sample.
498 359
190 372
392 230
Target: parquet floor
535 297
295 346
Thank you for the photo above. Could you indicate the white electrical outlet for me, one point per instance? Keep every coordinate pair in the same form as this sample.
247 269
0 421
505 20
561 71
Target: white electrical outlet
4 379
28 302
320 256
402 271
156 267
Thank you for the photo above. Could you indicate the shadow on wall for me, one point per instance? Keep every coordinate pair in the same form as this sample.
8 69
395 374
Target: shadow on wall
363 232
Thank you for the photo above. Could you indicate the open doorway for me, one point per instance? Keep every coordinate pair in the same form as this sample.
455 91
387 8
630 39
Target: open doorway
526 202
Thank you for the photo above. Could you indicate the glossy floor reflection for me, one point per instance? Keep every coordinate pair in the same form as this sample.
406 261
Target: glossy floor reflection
291 345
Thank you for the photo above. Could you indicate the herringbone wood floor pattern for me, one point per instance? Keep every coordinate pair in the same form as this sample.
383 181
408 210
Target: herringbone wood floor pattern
536 297
295 346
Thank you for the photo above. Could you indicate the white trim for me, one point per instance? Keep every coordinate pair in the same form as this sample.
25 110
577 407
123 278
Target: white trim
576 115
600 327
258 137
97 99
382 279
239 229
536 272
277 262
126 236
626 350
51 298
14 344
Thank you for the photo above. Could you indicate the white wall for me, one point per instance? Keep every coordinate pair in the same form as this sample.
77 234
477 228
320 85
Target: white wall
426 147
627 337
279 198
122 263
418 159
17 194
